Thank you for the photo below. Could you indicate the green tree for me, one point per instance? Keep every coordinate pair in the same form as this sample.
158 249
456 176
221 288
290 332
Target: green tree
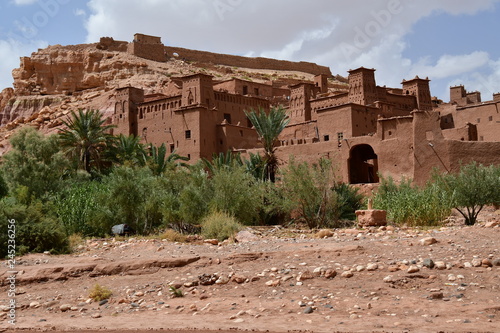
222 160
129 151
269 126
159 161
34 163
472 188
86 139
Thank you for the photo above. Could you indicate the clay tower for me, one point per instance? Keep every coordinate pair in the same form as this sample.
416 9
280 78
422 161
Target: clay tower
362 86
125 113
420 89
197 90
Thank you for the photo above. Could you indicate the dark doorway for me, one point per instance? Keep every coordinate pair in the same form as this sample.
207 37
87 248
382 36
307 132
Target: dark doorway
363 165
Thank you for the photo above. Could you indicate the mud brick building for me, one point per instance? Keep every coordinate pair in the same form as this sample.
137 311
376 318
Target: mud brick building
367 129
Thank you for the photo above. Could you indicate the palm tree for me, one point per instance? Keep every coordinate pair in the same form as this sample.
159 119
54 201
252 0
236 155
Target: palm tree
269 126
222 160
86 138
159 162
129 150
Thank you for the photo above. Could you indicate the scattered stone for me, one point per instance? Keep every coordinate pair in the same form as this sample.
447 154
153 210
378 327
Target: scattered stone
272 283
496 262
246 236
467 264
360 268
211 241
238 278
223 279
371 267
347 274
427 241
476 262
487 263
324 233
139 294
429 263
492 224
34 305
307 275
440 265
330 273
437 295
96 315
65 307
104 301
413 269
308 310
388 279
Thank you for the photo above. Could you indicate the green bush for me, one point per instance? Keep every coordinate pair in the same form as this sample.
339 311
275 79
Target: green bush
35 229
219 225
130 196
309 194
350 200
412 205
34 162
469 190
76 206
237 193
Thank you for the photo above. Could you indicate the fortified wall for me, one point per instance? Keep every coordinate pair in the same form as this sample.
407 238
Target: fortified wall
247 62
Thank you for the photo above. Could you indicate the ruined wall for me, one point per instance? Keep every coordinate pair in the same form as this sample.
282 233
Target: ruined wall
147 47
246 62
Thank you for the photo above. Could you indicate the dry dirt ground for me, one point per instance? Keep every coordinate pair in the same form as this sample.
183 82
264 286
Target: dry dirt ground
357 280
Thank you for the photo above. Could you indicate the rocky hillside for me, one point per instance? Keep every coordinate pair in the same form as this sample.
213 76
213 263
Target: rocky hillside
57 79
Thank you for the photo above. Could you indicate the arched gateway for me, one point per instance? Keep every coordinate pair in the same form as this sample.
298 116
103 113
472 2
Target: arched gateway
363 165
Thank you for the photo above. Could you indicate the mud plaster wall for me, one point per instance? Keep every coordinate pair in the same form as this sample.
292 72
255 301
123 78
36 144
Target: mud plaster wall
238 61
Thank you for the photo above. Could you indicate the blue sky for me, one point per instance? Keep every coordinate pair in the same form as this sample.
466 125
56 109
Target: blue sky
450 41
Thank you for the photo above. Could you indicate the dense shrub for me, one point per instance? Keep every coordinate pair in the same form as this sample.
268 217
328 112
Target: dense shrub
130 196
77 205
309 193
219 225
237 193
34 162
35 229
411 205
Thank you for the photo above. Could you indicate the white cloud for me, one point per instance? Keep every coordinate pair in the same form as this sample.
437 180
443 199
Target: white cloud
10 52
486 80
451 65
24 2
338 34
80 12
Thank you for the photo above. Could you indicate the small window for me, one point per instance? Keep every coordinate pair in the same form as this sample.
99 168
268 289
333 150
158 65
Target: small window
227 117
490 118
256 91
189 156
481 138
241 133
188 134
245 90
326 138
478 120
172 148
